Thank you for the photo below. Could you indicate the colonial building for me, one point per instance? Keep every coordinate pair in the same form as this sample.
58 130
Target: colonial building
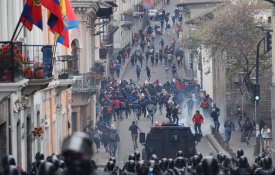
52 92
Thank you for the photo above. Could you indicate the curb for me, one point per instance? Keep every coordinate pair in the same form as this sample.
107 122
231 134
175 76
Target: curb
220 139
216 144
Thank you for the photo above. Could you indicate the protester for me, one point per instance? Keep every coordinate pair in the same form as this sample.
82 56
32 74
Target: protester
134 134
197 120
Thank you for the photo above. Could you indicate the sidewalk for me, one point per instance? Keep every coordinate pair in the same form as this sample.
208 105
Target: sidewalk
235 144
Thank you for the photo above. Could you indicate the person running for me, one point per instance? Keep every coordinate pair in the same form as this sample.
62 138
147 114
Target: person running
167 28
162 43
118 67
175 112
138 70
174 70
197 120
140 59
113 140
134 133
190 105
151 108
153 59
148 72
214 114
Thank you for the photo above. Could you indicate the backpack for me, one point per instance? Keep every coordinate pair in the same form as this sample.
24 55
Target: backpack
150 108
123 105
113 136
138 70
204 104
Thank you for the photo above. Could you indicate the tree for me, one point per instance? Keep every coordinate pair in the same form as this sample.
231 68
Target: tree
231 31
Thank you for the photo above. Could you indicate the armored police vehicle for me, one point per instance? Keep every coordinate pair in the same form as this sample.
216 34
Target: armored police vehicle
165 140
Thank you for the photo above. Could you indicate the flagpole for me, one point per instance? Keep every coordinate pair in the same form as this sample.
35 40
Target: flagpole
54 59
19 32
16 28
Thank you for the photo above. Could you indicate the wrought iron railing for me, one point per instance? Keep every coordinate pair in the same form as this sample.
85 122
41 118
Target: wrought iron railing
67 66
87 83
127 17
11 61
37 61
106 40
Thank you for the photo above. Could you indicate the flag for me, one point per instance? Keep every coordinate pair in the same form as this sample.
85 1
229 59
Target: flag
32 14
148 4
55 20
70 22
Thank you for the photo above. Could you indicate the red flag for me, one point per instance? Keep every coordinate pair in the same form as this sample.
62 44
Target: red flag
72 20
32 14
55 20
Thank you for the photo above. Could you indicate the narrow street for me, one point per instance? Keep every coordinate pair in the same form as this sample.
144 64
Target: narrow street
125 147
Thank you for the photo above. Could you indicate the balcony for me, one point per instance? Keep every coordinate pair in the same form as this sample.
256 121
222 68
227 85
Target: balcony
11 62
67 66
98 69
127 19
87 83
38 64
106 41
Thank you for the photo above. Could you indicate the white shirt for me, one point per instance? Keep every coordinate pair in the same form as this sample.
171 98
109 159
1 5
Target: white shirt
265 133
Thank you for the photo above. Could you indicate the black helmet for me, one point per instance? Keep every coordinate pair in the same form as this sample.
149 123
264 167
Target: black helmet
8 160
180 153
154 157
180 162
261 162
38 156
77 152
46 168
195 160
227 163
221 157
11 170
79 143
110 166
267 162
62 164
131 157
140 164
200 156
171 163
113 159
240 153
137 155
243 163
164 164
210 166
131 166
151 163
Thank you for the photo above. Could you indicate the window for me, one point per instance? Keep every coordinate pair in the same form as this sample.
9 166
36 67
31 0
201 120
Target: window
174 138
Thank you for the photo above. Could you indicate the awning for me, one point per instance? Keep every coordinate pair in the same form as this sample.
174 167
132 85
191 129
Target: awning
112 3
105 10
